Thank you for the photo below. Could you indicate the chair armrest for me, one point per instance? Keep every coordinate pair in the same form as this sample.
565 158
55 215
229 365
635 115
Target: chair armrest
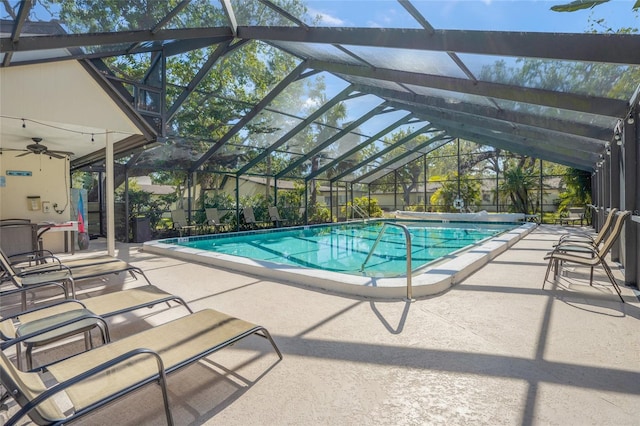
32 286
34 261
39 308
34 255
43 269
36 309
583 244
584 237
579 248
8 343
88 374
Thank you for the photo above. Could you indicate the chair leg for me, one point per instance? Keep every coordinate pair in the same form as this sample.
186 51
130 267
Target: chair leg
28 357
88 343
614 283
72 285
546 277
19 356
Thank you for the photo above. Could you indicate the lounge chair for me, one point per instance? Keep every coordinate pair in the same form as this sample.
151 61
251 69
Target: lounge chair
71 317
68 273
42 260
57 278
89 267
213 219
93 379
180 222
249 217
595 256
274 216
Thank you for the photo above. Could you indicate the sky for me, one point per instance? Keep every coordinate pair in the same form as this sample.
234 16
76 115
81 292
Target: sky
492 15
497 15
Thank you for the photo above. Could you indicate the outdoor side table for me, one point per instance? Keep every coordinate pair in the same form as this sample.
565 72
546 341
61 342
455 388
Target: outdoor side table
76 321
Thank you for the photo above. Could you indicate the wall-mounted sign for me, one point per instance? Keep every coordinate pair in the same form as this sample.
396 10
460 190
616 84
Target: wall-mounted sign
18 173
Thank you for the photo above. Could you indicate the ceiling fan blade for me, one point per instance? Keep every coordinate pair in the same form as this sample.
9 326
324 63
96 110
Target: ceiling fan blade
23 154
53 154
63 153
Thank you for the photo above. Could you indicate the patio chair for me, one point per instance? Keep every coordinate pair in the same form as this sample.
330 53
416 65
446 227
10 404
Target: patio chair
18 236
180 222
93 379
274 216
213 219
249 218
62 319
596 256
588 239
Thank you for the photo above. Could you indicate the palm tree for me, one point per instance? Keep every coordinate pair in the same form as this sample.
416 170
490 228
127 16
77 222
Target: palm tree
518 183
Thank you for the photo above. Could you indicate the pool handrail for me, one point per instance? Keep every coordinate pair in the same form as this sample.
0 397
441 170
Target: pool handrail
407 237
357 209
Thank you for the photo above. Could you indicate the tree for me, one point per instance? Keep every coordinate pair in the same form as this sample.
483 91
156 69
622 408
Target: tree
578 192
585 4
290 204
145 204
518 184
407 176
467 189
235 83
324 130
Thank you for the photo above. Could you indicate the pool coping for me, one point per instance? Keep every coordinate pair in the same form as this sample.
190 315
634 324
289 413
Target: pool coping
432 280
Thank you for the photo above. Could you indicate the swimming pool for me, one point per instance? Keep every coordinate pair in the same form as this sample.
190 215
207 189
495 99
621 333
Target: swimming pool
344 248
330 257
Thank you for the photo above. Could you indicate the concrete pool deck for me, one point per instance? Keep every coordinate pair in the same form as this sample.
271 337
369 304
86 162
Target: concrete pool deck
434 279
493 349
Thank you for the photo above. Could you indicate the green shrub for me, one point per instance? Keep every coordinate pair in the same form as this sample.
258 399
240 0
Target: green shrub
366 204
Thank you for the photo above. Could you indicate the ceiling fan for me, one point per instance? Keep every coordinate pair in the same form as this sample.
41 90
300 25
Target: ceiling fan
37 148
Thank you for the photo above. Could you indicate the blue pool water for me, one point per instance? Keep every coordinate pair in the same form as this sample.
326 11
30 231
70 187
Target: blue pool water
343 248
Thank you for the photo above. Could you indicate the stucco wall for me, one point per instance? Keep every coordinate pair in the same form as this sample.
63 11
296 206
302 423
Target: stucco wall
49 180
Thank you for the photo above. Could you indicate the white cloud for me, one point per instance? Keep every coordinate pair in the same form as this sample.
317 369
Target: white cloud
325 18
311 103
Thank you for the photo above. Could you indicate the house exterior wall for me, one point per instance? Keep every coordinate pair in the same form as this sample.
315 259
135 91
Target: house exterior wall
49 180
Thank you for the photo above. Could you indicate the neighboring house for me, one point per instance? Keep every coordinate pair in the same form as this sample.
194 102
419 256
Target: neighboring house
249 186
389 201
144 183
253 185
